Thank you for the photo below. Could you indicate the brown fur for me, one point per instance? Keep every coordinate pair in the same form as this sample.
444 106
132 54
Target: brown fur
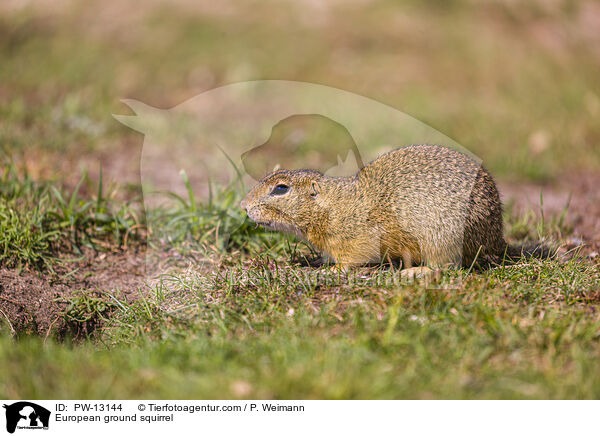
422 204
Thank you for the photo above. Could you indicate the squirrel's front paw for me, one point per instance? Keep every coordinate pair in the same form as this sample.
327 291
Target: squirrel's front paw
339 268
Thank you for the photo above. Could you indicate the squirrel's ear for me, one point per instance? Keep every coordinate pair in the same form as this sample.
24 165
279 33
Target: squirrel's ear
315 188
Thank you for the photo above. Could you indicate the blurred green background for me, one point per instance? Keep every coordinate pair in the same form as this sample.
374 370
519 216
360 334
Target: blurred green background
514 82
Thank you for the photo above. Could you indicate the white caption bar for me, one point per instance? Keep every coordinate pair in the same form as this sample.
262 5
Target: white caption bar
298 417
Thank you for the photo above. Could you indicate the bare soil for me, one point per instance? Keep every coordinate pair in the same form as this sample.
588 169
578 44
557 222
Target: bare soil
578 193
32 302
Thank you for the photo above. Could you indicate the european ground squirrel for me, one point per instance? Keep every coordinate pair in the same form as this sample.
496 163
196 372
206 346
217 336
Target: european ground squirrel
421 204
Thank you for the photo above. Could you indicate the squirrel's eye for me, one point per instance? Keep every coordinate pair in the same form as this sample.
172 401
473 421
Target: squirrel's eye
280 190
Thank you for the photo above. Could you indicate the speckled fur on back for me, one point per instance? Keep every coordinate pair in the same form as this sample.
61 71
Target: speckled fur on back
422 204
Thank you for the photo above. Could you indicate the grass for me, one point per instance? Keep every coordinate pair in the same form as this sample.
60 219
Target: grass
187 224
526 332
516 85
37 221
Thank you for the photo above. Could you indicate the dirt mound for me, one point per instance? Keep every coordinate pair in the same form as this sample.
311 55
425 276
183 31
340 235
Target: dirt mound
73 300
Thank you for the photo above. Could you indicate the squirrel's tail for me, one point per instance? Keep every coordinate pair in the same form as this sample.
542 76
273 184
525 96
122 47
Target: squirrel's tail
537 250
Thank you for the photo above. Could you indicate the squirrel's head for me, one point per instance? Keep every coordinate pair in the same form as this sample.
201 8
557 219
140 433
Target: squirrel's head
288 201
